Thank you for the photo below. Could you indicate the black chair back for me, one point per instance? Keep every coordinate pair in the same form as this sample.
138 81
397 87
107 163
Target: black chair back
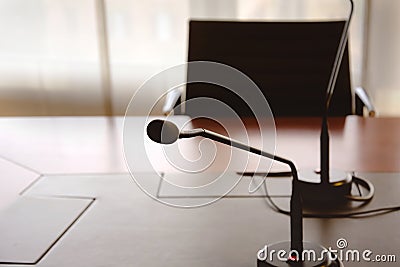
290 62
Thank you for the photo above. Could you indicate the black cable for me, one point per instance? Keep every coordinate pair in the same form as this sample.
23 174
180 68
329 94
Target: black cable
265 174
353 174
356 214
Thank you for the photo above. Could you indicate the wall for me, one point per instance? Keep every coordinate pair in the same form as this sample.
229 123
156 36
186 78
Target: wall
382 75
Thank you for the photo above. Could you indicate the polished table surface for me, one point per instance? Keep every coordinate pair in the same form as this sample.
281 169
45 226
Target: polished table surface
83 156
94 144
356 143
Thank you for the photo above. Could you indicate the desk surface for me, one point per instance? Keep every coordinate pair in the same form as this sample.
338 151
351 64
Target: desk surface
94 144
82 157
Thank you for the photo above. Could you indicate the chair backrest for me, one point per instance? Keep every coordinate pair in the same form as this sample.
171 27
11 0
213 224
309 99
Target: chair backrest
290 62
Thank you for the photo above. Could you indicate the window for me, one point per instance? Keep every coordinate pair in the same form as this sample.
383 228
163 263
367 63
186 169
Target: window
51 53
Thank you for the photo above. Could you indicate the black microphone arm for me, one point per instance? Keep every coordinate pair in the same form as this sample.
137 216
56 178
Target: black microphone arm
159 130
324 137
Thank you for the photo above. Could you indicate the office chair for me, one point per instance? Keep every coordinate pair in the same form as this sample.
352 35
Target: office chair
290 62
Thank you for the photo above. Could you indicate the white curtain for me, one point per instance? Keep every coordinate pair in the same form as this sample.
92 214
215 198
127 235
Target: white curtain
49 53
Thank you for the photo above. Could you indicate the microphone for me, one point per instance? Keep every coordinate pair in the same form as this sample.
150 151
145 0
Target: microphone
166 132
162 132
328 188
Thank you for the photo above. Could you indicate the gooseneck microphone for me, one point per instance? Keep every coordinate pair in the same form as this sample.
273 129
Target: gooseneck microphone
328 188
324 138
166 132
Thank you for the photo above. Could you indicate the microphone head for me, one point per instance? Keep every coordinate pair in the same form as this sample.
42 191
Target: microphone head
162 132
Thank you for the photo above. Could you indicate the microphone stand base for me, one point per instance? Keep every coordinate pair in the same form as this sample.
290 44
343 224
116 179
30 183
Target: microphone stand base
313 255
317 194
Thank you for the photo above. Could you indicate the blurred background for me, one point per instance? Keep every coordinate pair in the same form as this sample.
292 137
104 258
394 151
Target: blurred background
88 57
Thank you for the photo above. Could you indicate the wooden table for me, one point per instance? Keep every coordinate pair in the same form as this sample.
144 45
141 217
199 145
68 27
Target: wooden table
94 144
82 158
356 143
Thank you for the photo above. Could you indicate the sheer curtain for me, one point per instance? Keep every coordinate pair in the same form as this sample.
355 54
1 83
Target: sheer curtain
383 56
147 37
50 57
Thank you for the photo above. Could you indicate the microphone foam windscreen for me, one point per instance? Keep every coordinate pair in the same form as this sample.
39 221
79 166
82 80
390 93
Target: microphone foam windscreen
163 132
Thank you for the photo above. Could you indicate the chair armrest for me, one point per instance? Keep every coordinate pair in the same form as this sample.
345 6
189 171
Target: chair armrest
171 101
366 100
